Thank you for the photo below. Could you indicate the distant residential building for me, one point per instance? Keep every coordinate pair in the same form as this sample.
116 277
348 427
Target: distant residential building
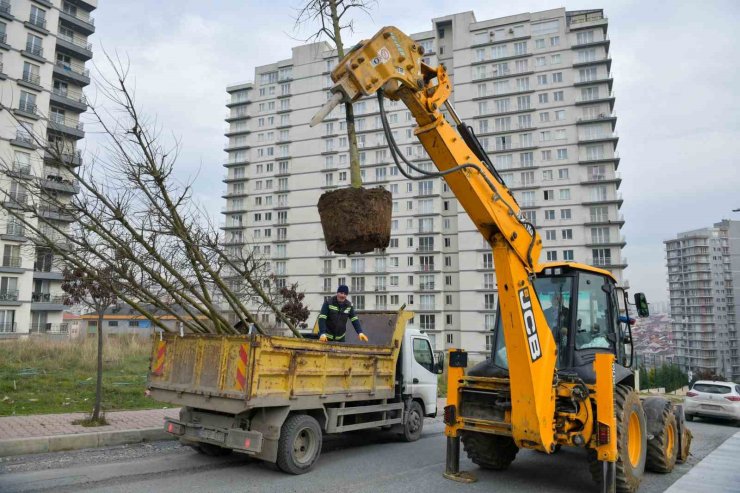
704 286
122 319
536 88
73 324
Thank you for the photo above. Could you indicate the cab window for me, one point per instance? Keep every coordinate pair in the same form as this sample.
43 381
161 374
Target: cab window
592 323
423 354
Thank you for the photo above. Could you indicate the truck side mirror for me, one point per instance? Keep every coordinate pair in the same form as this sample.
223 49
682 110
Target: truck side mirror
439 364
642 305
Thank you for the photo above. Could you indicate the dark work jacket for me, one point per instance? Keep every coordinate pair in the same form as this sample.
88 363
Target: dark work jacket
333 319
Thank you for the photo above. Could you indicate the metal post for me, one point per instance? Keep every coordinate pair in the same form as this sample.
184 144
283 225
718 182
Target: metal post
609 478
452 462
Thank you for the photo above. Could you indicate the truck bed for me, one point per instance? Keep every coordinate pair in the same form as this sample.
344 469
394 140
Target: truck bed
232 374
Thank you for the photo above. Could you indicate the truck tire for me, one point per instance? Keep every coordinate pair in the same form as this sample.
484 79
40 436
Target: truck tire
413 422
299 446
663 448
631 442
211 450
489 451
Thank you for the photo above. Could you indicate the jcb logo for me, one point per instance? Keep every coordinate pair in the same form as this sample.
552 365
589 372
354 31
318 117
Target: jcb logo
535 351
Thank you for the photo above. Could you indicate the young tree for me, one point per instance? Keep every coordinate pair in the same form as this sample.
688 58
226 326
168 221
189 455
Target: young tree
332 17
133 218
92 289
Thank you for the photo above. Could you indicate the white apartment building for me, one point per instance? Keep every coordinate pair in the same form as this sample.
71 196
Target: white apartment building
43 49
704 285
537 90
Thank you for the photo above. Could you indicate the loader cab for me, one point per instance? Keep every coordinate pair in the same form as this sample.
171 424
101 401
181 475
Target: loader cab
582 308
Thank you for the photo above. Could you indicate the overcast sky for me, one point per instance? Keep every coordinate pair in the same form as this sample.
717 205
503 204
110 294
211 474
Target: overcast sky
676 80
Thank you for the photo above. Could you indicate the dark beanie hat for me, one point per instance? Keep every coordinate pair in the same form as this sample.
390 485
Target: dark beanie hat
343 289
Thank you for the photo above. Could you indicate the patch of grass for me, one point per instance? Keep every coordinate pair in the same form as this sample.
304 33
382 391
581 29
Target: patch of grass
89 422
45 377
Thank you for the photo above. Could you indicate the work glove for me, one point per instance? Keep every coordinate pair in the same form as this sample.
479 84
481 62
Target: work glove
323 338
362 337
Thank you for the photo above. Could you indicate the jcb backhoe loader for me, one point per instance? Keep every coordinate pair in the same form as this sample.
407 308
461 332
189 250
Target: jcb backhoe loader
559 373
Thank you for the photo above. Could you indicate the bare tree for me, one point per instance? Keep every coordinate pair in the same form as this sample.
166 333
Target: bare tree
94 292
133 219
330 18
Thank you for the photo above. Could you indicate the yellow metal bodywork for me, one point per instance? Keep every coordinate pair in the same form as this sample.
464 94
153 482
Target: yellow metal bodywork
279 370
604 387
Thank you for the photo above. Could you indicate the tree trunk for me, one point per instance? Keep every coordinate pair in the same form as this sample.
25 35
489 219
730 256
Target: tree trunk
99 382
354 154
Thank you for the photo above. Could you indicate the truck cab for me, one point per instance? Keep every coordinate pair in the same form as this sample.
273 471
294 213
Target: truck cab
418 371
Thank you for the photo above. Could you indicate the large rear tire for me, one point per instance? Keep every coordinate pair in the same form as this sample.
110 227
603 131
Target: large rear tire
663 448
489 451
299 446
631 442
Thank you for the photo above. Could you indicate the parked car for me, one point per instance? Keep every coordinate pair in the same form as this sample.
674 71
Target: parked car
714 400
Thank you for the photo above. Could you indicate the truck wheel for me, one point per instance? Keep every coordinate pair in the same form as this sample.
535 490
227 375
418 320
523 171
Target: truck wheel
299 446
631 442
663 448
212 450
489 451
413 423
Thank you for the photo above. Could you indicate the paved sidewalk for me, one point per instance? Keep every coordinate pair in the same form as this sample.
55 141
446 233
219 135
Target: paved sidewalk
55 432
41 425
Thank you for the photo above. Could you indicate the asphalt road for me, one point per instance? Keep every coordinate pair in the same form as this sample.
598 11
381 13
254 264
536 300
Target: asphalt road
362 462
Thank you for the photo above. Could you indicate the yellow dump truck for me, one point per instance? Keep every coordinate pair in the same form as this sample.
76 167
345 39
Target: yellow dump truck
273 398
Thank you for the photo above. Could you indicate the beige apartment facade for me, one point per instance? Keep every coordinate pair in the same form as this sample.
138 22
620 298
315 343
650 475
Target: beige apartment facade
537 90
44 45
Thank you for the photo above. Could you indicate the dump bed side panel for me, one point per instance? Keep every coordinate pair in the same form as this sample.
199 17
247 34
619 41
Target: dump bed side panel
234 373
201 364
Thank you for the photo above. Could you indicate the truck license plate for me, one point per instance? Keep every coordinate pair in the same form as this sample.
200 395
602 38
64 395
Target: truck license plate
214 435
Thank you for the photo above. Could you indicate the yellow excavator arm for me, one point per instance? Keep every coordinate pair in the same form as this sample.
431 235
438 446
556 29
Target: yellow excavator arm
390 64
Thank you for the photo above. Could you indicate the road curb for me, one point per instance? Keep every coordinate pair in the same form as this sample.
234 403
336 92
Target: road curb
77 441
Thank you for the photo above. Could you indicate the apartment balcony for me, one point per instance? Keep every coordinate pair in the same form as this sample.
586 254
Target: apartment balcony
601 179
20 170
73 157
27 109
11 264
14 232
427 286
612 137
15 200
31 80
586 20
601 117
79 21
588 161
230 132
599 242
617 199
55 213
9 297
53 181
72 72
47 302
67 127
601 80
69 100
8 328
49 328
597 42
5 10
598 99
34 52
74 47
608 263
37 23
235 194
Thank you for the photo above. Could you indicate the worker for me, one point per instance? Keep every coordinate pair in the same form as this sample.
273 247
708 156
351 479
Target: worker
334 315
557 315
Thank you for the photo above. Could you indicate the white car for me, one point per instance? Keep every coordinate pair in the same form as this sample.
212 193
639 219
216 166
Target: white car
713 400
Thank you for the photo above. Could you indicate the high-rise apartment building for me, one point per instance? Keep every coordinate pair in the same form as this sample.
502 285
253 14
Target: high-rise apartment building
537 90
704 285
43 50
